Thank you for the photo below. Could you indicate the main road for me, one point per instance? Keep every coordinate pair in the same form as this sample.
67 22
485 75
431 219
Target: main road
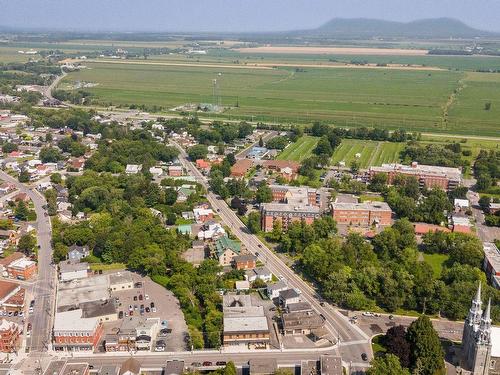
351 339
43 290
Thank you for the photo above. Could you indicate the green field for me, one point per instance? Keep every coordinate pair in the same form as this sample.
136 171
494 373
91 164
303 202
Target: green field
299 150
371 152
414 100
436 261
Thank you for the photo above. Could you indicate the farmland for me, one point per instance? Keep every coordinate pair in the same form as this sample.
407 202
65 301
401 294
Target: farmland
299 150
370 152
412 99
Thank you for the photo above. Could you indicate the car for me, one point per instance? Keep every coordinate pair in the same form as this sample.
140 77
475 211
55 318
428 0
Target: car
207 363
15 313
126 314
120 315
322 304
21 314
196 364
355 317
152 304
221 363
140 297
10 313
163 332
130 307
148 309
377 315
132 313
367 313
364 356
164 323
91 367
135 298
29 327
153 309
218 210
138 284
260 245
136 307
146 296
142 307
391 317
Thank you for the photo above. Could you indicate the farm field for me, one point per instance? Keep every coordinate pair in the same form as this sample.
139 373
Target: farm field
299 150
372 153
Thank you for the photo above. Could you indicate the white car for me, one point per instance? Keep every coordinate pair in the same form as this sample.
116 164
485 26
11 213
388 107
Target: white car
146 296
368 313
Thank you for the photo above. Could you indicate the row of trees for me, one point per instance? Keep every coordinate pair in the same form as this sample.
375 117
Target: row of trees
375 134
449 155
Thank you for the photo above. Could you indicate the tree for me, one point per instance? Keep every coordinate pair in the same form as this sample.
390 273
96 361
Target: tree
487 106
230 369
253 222
198 152
27 243
170 196
354 166
55 178
24 176
50 155
264 193
396 343
261 142
378 182
9 147
21 212
386 365
231 159
426 352
323 147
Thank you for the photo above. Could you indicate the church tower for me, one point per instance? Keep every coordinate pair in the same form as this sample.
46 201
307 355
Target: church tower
476 339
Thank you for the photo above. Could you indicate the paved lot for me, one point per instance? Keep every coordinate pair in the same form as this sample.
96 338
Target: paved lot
166 305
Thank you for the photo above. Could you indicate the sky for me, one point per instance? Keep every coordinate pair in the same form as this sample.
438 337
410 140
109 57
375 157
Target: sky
232 15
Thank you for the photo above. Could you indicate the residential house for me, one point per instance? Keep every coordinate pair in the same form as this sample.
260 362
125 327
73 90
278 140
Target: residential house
77 253
288 296
202 214
259 273
273 290
11 296
175 171
226 250
184 193
245 261
211 230
133 168
130 367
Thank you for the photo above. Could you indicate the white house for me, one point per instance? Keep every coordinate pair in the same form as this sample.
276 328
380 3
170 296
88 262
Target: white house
261 273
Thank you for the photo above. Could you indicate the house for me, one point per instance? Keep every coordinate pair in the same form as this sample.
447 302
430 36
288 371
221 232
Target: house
226 249
203 165
21 197
494 208
133 168
130 367
184 193
11 296
11 236
424 228
211 230
185 229
9 336
303 323
244 261
175 171
22 269
202 214
77 253
156 171
288 296
461 204
259 273
274 290
242 285
69 270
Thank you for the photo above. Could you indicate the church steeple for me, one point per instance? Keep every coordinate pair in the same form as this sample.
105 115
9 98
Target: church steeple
475 311
485 325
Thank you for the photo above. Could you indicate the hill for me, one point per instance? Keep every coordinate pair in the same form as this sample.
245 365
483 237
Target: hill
370 28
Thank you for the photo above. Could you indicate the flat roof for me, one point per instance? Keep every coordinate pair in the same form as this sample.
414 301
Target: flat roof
492 253
73 321
72 266
7 288
75 368
97 308
368 206
246 324
449 172
120 278
287 207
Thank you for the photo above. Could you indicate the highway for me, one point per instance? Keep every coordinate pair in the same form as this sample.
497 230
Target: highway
352 340
43 290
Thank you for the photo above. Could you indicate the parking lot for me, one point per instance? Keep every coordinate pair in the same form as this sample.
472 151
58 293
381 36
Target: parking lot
151 300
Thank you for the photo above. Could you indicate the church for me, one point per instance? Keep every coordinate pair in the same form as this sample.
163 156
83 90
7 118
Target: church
480 340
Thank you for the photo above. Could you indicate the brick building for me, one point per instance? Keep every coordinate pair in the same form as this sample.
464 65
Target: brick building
9 336
72 332
362 214
241 167
296 195
428 176
22 269
11 296
287 214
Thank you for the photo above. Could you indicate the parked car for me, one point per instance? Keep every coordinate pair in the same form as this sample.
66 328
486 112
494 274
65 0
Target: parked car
153 309
196 364
221 363
146 296
140 297
152 304
135 298
367 313
364 357
120 315
147 309
207 363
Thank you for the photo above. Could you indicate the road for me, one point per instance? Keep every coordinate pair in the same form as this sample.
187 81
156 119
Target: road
47 92
485 233
353 341
43 289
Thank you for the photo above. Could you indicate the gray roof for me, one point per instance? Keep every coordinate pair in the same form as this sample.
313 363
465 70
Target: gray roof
288 294
120 278
331 365
299 306
263 366
174 367
72 267
98 308
278 285
302 320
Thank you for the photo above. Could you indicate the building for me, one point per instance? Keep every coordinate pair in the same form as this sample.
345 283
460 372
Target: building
70 271
298 196
76 253
424 228
202 214
71 294
494 208
105 311
273 290
491 263
121 281
145 332
175 171
130 367
305 322
244 261
72 332
241 167
11 296
9 336
428 176
133 168
288 296
362 214
330 365
226 250
263 366
287 214
259 273
244 324
22 269
480 341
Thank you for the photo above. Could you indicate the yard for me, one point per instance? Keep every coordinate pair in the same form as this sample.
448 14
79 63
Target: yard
436 261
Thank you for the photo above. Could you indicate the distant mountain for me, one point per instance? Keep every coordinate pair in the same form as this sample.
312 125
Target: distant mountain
426 28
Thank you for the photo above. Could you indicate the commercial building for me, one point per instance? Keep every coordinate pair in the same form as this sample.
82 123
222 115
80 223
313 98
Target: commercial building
330 365
11 296
241 168
428 176
70 271
22 269
287 214
491 263
303 322
244 324
9 336
121 281
362 214
73 332
298 196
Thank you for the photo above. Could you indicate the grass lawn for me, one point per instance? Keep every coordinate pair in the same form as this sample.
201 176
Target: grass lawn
107 267
299 150
372 198
436 261
370 152
377 347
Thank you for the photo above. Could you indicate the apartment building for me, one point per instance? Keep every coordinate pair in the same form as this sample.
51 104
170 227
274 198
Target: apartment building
428 176
362 214
287 214
72 332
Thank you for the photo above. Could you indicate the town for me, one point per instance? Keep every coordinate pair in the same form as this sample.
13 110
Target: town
189 236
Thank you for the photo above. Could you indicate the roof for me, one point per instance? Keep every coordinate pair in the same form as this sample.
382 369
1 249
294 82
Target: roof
120 278
97 308
246 324
224 243
73 321
299 306
365 206
289 294
236 300
451 173
263 366
285 207
22 263
331 365
130 365
280 285
241 167
423 228
495 341
281 164
11 258
492 254
302 320
72 266
174 367
75 369
245 258
7 288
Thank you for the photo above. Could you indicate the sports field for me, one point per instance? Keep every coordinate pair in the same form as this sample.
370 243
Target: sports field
299 150
371 153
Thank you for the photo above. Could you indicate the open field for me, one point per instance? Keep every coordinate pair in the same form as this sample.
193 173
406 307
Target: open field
299 150
372 153
335 50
